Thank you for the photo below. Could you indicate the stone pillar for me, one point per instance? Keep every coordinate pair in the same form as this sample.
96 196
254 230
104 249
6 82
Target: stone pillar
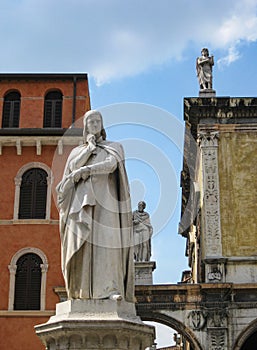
212 246
95 324
217 331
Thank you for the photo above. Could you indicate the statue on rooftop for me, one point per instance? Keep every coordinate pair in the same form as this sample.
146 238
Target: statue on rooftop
204 69
96 218
143 231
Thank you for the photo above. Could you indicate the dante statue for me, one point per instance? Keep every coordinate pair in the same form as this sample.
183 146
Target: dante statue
142 233
204 69
96 218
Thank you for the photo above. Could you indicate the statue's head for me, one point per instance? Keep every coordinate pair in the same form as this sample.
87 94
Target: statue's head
87 116
141 205
205 52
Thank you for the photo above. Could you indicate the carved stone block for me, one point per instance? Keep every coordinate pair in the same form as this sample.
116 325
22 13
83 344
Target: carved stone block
95 324
144 272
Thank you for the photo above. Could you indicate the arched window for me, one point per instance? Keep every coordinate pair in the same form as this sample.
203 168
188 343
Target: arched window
53 110
11 110
33 194
28 282
28 270
250 343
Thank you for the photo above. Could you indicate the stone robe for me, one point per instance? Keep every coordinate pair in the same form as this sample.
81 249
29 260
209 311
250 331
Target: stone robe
96 226
142 235
204 71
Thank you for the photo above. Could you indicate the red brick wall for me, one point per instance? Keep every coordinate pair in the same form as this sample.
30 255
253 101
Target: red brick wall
32 99
17 332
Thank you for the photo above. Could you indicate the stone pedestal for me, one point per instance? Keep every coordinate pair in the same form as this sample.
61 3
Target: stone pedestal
207 93
95 324
144 272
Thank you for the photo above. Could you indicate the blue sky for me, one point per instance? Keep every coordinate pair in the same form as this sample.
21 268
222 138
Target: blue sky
140 57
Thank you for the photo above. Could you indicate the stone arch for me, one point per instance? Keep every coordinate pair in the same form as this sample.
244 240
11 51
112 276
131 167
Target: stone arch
92 340
75 341
12 268
245 334
18 180
110 341
155 316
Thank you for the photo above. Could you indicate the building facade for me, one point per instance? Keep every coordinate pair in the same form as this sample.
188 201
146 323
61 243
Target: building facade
39 116
219 213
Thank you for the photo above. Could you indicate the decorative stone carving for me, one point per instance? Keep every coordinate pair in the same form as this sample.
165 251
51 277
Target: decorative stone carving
215 271
197 319
217 339
95 324
217 318
209 146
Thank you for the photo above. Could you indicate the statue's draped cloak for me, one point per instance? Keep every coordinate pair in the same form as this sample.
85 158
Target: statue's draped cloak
142 235
96 226
204 71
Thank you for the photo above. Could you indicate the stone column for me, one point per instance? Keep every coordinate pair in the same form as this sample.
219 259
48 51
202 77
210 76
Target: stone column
211 231
217 331
95 324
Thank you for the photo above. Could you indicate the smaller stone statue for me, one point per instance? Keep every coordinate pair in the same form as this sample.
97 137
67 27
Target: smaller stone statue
143 231
204 69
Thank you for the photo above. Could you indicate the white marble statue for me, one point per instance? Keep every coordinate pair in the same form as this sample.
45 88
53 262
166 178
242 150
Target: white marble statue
204 69
143 231
96 218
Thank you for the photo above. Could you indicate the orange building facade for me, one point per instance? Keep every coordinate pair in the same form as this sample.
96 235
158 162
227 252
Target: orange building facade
40 119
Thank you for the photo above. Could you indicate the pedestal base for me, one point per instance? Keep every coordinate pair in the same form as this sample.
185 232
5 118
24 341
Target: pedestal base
95 324
144 272
207 93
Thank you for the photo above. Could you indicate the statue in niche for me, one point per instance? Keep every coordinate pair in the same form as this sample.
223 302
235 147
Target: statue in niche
204 69
143 231
96 218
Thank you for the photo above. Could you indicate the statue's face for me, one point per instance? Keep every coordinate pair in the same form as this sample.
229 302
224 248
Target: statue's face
204 53
94 124
141 206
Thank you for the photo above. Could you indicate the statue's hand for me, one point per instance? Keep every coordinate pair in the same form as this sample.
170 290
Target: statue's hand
76 175
85 172
91 142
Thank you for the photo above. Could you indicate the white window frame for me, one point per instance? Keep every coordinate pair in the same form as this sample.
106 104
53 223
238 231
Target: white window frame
13 267
18 180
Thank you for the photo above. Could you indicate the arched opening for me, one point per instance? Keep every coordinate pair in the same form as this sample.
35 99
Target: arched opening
247 339
167 337
33 194
44 203
250 343
11 110
53 109
27 293
186 339
28 270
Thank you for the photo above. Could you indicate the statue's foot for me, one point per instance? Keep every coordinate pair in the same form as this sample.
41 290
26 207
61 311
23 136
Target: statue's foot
115 297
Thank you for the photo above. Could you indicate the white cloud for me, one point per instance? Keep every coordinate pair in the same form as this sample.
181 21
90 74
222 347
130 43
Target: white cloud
232 55
113 39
